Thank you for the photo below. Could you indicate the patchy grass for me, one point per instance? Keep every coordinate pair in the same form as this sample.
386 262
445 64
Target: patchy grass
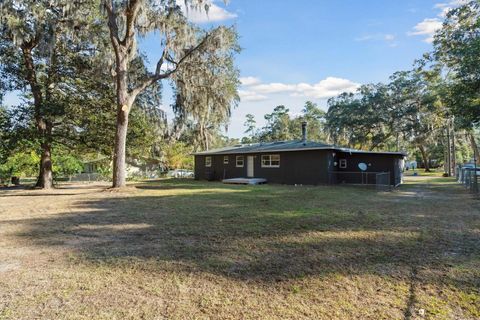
193 250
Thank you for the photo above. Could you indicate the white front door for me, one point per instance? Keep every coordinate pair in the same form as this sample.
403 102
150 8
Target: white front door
250 172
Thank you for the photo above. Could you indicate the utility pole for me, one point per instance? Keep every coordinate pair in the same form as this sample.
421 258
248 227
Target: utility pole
475 157
475 178
449 150
454 156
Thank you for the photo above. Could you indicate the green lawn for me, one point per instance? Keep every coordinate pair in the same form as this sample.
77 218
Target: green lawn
174 249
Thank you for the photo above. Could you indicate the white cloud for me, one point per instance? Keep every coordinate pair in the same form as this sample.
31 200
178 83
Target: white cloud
259 98
167 66
364 38
326 88
249 81
446 7
453 3
323 89
388 38
215 13
247 95
427 27
378 36
274 87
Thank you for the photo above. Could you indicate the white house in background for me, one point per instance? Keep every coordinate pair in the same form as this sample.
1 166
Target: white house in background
134 168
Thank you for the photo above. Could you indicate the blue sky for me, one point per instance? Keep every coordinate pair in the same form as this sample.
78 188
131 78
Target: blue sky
300 50
294 51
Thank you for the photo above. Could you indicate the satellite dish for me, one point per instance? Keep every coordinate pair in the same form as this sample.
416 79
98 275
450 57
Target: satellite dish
362 166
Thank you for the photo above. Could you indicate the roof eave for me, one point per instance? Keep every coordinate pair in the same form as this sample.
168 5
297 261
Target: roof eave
227 152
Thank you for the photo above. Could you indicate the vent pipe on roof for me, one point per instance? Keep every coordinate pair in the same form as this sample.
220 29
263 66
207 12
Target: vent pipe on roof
304 132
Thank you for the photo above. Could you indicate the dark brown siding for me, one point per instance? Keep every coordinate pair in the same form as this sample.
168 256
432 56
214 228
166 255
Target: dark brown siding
219 170
309 167
376 163
297 167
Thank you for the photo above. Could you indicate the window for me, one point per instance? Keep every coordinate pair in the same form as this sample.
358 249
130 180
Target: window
271 161
225 160
239 161
208 161
343 163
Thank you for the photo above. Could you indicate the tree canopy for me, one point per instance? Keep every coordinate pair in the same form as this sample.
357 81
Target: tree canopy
81 75
88 92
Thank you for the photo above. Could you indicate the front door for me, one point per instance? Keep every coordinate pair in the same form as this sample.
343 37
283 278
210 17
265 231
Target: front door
250 172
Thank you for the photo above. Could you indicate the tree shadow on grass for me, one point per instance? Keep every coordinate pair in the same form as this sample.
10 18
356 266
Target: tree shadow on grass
266 233
59 190
36 195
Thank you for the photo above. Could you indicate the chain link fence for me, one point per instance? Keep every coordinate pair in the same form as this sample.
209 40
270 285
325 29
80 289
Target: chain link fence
469 178
379 180
382 181
86 177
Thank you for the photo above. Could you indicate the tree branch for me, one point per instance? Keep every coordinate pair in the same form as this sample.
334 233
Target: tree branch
158 75
31 78
131 15
189 53
112 25
162 58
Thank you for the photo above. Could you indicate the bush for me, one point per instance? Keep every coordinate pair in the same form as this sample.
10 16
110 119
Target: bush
66 165
21 164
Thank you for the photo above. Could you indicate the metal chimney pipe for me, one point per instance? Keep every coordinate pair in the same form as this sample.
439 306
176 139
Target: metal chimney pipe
304 131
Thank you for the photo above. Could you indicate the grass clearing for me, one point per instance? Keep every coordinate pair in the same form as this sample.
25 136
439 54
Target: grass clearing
182 249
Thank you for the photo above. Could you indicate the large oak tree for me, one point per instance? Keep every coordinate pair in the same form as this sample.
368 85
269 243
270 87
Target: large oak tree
457 49
179 41
39 43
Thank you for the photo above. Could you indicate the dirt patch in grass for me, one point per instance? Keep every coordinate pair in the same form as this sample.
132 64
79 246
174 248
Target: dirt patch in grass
182 249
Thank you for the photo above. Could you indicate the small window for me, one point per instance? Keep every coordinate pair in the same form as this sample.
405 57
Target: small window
225 160
208 161
239 161
343 163
271 161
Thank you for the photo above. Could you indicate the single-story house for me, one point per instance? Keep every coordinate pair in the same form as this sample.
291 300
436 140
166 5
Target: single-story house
300 162
134 167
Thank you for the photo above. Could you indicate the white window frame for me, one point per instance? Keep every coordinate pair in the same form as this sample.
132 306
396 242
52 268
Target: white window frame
237 158
267 160
225 159
342 163
208 161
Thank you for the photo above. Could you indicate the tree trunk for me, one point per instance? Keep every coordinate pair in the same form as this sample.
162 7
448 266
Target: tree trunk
123 49
119 157
123 109
398 142
44 127
45 179
425 158
474 147
205 137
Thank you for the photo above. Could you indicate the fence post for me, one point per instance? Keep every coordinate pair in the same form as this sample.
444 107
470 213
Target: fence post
475 182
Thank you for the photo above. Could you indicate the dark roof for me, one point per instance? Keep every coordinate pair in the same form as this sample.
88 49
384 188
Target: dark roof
284 146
